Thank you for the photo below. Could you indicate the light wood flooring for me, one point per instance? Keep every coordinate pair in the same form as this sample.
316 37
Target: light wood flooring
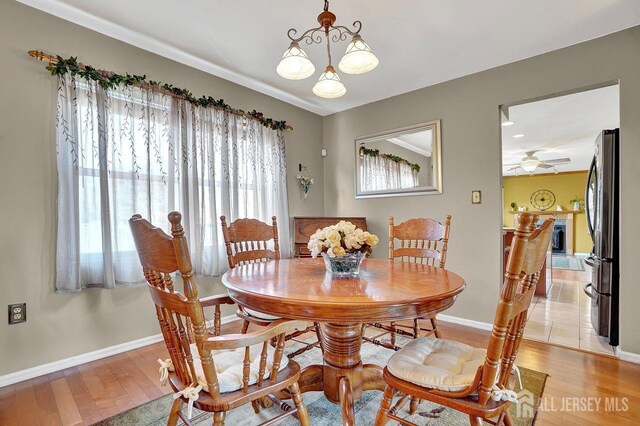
99 389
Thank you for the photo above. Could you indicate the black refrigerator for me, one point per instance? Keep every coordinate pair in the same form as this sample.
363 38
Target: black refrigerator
601 201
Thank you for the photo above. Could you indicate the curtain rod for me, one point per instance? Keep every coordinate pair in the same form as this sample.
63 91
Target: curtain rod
52 60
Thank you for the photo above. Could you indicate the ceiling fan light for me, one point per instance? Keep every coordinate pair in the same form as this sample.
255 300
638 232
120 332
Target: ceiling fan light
529 165
329 85
295 64
358 58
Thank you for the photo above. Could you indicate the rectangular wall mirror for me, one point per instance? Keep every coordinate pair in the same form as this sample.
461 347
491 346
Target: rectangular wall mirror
399 162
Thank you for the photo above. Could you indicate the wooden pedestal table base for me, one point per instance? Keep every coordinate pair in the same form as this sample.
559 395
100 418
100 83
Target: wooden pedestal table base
384 291
343 378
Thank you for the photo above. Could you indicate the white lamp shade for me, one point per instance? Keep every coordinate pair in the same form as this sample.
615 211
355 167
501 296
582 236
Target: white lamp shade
358 58
329 85
529 165
295 64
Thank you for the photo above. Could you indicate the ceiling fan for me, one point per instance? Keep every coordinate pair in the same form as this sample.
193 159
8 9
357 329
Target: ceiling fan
530 163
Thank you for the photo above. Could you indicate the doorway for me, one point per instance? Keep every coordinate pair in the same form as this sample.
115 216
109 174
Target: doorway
547 149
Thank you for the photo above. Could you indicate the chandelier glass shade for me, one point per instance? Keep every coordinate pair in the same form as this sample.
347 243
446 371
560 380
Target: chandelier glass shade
329 85
295 64
358 58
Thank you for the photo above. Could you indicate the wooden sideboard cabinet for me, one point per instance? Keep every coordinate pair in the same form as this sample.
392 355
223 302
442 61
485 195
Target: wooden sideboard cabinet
304 227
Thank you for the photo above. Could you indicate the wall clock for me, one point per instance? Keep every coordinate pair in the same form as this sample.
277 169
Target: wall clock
543 199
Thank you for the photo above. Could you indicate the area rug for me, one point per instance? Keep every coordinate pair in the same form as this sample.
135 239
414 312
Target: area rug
324 413
569 263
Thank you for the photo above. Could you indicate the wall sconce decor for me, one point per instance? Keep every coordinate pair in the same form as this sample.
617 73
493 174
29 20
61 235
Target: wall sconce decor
305 179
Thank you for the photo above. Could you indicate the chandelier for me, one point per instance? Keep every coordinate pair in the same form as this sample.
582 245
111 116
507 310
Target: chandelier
358 59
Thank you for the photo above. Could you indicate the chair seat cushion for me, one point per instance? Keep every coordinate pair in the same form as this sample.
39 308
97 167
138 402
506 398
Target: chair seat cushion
437 363
260 315
229 366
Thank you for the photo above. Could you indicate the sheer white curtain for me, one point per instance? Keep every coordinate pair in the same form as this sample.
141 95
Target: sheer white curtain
380 173
136 150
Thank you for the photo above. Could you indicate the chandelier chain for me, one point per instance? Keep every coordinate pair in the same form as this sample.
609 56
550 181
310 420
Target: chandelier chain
328 48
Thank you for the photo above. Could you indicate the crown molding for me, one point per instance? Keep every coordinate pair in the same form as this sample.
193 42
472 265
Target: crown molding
150 44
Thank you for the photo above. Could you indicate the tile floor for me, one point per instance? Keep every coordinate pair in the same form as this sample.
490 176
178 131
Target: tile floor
564 318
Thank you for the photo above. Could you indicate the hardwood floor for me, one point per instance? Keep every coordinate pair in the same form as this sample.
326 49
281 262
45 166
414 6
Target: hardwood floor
99 389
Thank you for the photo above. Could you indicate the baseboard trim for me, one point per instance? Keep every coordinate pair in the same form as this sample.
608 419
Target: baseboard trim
469 323
622 355
40 370
628 356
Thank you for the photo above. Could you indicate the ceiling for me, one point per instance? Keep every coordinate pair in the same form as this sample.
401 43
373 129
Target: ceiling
564 126
422 43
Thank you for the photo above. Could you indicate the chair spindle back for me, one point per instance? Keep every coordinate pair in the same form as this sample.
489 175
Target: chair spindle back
248 241
526 259
183 323
180 316
421 240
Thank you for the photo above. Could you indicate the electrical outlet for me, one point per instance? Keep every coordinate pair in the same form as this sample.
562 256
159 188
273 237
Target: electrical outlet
476 197
17 313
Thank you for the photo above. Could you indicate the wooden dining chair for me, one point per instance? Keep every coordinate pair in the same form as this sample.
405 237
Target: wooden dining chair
472 380
252 241
421 240
216 373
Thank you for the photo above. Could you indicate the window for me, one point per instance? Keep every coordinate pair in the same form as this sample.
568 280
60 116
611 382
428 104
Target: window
136 150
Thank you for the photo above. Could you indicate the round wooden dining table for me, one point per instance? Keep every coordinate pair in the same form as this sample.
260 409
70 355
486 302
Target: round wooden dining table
384 291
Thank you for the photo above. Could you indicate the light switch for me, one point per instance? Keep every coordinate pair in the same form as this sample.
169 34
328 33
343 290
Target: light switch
476 197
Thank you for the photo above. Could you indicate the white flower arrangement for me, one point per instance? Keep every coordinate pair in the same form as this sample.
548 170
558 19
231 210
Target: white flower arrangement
341 239
305 180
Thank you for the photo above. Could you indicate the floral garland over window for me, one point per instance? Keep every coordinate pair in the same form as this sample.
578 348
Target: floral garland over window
376 153
127 146
111 80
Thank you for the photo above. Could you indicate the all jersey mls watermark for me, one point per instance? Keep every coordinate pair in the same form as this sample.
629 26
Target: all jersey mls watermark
526 404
